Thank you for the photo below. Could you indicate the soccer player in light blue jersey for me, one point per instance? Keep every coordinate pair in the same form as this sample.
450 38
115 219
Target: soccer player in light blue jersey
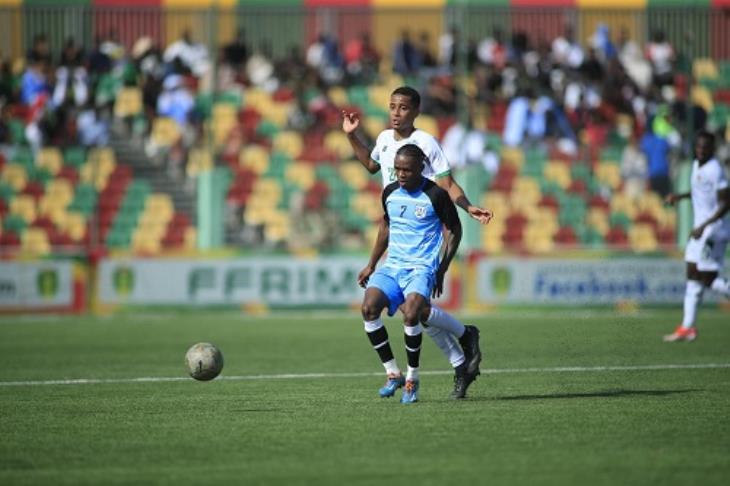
458 342
422 234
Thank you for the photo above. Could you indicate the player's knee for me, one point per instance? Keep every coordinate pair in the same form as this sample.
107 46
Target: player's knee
425 314
370 311
410 317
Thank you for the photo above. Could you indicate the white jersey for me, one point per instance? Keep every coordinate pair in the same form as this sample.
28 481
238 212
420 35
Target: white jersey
706 181
386 146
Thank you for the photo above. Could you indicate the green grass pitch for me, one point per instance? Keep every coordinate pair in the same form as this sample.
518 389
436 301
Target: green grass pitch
567 398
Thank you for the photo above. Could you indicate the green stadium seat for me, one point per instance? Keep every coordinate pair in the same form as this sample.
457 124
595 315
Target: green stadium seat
74 156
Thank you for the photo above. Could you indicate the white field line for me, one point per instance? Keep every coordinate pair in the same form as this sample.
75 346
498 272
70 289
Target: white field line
309 376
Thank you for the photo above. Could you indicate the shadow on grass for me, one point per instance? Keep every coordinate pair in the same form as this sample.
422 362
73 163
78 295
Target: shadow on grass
599 394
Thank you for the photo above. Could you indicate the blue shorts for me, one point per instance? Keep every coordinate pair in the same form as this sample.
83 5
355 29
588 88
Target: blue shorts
397 283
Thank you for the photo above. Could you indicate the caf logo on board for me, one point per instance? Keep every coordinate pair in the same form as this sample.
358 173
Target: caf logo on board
501 280
123 279
47 282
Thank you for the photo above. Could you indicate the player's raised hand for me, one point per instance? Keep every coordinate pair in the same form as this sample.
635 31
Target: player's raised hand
364 276
350 121
671 199
483 215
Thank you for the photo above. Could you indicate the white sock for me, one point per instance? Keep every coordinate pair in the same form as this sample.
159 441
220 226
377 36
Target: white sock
442 320
371 326
391 367
412 374
448 344
692 298
721 286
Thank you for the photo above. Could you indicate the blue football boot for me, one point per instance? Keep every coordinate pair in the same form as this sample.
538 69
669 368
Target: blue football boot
410 392
391 385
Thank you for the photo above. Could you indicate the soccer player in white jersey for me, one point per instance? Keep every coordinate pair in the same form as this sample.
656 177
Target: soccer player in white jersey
422 235
705 250
459 343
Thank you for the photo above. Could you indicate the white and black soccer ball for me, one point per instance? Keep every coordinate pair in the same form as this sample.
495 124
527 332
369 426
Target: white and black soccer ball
204 361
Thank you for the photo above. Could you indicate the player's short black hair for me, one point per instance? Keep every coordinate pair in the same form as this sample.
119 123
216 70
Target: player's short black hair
709 136
411 93
413 151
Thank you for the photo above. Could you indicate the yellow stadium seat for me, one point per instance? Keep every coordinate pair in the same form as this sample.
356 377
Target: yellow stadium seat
277 113
50 158
513 157
354 175
379 95
255 158
301 174
128 102
15 176
373 126
337 141
704 68
367 204
257 98
199 160
75 226
558 172
24 206
165 132
35 241
338 96
702 97
621 203
428 124
190 240
609 175
289 142
642 238
598 220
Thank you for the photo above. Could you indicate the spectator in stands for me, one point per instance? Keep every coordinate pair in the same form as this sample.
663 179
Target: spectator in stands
236 53
661 54
8 83
634 171
292 67
656 149
492 51
633 61
601 42
185 56
175 101
405 56
425 58
566 51
464 144
448 43
99 62
323 56
361 59
260 69
113 48
72 54
92 128
40 52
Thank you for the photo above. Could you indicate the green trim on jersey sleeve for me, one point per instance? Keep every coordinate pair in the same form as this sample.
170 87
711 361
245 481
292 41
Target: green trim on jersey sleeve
442 174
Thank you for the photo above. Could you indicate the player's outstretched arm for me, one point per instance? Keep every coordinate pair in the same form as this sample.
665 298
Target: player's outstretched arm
381 244
673 198
452 238
723 197
457 195
350 122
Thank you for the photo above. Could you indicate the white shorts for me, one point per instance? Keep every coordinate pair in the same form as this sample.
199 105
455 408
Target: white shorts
708 252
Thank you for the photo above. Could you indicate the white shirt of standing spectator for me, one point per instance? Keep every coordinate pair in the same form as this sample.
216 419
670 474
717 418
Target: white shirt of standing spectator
386 147
706 181
194 56
661 55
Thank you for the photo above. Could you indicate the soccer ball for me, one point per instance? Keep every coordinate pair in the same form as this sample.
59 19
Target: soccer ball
204 361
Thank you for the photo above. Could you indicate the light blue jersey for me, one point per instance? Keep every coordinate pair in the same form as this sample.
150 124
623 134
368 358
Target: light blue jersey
415 221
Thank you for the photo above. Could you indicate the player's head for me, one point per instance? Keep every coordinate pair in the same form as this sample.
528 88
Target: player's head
409 161
404 108
704 146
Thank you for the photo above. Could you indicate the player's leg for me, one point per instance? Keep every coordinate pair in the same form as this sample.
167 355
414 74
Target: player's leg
382 292
704 258
716 255
694 288
413 335
468 336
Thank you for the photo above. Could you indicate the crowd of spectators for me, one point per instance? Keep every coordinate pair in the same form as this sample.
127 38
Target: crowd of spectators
563 91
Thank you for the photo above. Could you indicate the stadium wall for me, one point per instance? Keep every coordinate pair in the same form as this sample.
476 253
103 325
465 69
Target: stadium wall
281 24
